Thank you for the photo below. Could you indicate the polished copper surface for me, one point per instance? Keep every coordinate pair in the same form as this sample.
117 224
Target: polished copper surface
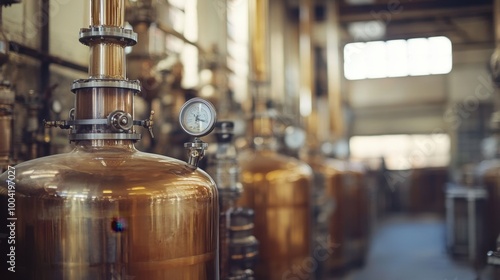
98 103
107 13
278 188
107 60
107 211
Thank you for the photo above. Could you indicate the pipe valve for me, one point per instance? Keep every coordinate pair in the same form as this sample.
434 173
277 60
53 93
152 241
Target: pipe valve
196 151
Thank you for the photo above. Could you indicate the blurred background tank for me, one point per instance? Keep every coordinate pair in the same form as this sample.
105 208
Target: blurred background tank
277 187
106 210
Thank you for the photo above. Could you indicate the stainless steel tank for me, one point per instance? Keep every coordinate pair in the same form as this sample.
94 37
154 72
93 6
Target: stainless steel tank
106 210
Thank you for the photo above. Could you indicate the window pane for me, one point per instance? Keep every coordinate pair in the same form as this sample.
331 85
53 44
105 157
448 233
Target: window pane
398 58
403 151
354 61
397 64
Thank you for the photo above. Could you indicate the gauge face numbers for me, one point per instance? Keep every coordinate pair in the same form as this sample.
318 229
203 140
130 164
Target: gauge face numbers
197 117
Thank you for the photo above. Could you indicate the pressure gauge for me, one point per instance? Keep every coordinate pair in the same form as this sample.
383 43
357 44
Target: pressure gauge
197 117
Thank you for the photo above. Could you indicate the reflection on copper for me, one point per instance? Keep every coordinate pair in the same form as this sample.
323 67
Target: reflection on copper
106 210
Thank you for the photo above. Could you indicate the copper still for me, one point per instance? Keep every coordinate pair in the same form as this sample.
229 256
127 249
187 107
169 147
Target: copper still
278 188
238 248
106 210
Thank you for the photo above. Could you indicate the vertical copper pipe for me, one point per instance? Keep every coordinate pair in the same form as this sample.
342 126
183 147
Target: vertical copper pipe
259 22
107 13
107 60
306 94
334 70
277 50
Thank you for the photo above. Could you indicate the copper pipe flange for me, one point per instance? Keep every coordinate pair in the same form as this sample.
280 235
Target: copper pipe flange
108 34
103 136
134 85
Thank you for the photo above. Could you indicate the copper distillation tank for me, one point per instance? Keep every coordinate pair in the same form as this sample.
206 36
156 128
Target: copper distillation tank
277 187
238 248
106 210
329 215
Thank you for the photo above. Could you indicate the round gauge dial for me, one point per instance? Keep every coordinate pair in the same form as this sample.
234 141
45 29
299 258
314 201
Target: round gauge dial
197 117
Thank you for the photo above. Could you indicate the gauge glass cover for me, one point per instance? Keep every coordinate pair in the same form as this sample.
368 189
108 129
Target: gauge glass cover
197 117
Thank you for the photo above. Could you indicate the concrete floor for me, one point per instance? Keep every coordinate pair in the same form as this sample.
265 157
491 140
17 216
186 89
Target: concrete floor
413 248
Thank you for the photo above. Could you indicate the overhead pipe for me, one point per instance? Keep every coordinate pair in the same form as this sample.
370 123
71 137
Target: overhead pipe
334 72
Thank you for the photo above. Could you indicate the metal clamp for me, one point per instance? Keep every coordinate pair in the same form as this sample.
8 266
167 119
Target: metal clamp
196 151
97 33
120 120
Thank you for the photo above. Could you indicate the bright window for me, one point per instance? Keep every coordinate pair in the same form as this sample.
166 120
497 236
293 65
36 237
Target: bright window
397 58
403 151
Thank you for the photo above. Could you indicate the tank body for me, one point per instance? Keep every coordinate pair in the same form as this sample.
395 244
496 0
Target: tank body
110 213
